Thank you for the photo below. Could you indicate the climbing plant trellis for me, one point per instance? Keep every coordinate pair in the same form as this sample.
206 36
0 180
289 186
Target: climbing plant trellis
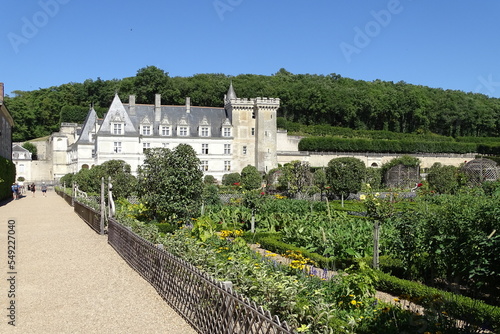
481 170
401 176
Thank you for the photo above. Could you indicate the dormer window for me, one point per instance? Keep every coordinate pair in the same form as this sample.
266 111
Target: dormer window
146 127
183 131
165 130
146 130
204 131
118 128
183 128
226 132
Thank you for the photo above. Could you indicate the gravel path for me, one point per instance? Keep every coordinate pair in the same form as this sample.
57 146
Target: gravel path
69 280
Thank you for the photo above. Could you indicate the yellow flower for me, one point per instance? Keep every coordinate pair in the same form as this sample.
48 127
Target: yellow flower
353 302
362 197
396 300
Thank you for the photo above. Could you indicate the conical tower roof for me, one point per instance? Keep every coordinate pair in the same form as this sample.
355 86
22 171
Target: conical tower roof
230 93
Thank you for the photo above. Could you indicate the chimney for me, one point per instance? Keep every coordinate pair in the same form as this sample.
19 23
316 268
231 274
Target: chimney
188 105
157 107
1 92
131 103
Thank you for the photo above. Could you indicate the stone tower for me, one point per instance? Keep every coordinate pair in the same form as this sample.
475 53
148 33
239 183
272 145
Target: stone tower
254 131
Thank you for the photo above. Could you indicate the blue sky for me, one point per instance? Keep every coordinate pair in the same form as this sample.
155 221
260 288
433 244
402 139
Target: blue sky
445 44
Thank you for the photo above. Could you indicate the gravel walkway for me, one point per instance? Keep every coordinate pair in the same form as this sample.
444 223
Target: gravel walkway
69 280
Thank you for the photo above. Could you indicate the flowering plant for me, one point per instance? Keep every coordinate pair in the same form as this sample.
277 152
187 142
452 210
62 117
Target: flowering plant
378 208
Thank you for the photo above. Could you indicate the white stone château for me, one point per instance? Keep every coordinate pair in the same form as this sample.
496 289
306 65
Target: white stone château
226 139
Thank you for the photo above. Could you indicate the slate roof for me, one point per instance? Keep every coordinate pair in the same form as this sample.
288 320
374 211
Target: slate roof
87 128
173 116
17 149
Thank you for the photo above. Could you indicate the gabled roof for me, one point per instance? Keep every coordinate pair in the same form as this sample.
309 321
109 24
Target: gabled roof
18 151
18 148
88 127
117 113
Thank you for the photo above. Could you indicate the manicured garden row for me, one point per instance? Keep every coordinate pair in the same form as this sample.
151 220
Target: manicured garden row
464 308
460 307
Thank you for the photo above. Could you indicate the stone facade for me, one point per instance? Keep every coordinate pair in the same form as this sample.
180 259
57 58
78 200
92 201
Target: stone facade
6 124
226 139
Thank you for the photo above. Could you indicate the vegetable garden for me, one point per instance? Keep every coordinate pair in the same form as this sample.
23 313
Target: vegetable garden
425 242
439 249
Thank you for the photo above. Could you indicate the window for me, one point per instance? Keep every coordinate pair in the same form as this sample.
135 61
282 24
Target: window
226 132
146 130
183 131
117 128
165 130
253 131
253 114
21 168
227 166
204 132
204 148
227 148
244 150
145 146
204 165
117 147
165 145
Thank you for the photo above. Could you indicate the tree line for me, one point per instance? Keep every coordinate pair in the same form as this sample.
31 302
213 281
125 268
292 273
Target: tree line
305 98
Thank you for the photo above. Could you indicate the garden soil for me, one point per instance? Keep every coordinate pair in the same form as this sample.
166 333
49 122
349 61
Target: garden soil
67 279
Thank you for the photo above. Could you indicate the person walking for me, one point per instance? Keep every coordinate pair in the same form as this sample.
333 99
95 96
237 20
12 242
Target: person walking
15 190
33 189
44 189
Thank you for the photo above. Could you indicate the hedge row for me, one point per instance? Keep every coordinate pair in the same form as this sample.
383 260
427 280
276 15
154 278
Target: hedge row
488 149
328 130
470 310
7 177
460 307
479 140
333 144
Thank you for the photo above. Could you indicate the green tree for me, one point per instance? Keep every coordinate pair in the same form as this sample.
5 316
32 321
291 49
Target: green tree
320 180
345 175
251 178
230 179
124 183
209 179
443 179
296 177
31 147
169 183
149 81
373 177
211 194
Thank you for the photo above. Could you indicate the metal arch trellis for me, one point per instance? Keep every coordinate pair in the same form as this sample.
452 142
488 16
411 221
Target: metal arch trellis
481 170
401 176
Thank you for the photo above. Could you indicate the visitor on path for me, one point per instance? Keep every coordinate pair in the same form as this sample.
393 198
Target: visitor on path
15 190
44 189
33 189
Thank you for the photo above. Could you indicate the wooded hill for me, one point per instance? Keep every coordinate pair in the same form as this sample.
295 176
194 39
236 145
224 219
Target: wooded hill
305 98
